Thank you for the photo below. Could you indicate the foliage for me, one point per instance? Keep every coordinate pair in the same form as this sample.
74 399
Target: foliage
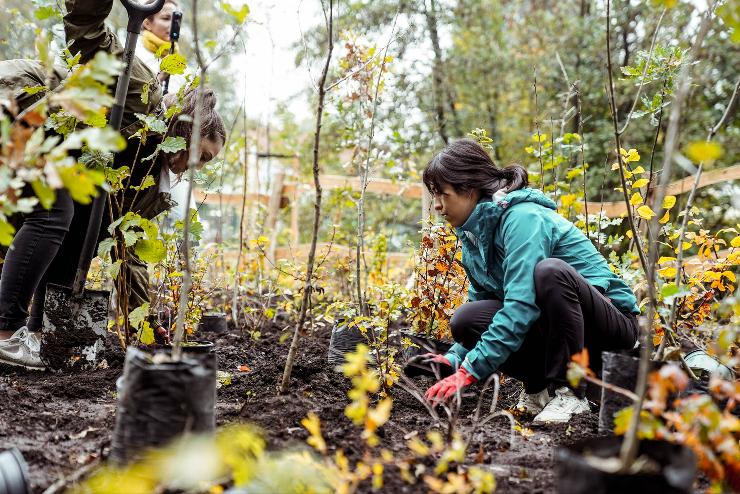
440 283
169 272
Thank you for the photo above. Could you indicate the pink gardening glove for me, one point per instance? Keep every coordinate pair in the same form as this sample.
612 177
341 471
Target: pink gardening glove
447 387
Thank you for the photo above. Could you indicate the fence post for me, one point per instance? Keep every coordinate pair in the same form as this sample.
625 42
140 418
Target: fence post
272 214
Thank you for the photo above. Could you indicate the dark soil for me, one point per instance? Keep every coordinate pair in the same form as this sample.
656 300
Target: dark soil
62 422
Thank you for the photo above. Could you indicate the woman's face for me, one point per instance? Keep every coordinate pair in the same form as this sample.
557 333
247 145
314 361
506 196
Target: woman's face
453 206
159 24
178 162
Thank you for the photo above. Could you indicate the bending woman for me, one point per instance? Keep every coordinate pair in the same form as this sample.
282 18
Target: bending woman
47 243
539 290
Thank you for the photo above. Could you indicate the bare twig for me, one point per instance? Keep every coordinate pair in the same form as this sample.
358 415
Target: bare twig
307 289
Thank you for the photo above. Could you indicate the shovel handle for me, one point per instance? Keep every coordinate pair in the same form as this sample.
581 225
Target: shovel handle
137 12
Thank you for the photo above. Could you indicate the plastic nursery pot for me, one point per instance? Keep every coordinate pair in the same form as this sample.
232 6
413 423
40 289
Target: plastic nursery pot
160 399
13 473
344 340
669 469
619 369
214 322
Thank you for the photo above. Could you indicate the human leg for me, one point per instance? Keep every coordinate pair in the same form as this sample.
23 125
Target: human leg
34 246
574 316
472 319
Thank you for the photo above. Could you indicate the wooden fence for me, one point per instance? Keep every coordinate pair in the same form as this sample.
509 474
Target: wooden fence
285 194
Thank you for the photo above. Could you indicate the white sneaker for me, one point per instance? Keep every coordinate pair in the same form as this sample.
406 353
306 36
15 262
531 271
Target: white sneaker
562 407
22 349
533 403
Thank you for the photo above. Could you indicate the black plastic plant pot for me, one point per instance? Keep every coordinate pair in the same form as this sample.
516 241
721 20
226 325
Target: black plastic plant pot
214 322
159 400
13 473
619 369
344 339
669 468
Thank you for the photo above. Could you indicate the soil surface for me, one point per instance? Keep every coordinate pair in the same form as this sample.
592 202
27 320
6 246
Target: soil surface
63 422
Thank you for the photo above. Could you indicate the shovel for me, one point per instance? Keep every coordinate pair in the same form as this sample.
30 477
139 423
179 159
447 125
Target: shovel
75 320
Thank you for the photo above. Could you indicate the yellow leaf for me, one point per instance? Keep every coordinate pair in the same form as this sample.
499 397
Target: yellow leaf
703 151
640 183
669 272
735 242
665 259
629 234
729 275
669 202
636 199
665 218
638 170
645 212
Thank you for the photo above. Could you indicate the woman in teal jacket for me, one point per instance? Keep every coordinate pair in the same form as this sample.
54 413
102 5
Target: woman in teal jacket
539 290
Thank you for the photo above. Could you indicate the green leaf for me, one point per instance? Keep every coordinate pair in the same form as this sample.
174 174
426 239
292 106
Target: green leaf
239 15
6 232
130 237
46 194
668 290
173 144
138 315
173 64
43 13
114 269
148 182
150 251
105 246
153 123
31 90
145 93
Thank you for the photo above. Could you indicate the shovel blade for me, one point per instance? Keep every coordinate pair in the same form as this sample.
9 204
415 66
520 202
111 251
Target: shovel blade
74 328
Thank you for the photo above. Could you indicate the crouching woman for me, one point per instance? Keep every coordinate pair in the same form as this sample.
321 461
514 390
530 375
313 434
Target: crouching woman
539 290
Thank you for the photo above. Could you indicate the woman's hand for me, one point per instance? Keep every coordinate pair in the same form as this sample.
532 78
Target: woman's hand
447 387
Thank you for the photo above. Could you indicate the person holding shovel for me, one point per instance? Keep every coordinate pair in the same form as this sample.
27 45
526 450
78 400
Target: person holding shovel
539 291
47 242
155 43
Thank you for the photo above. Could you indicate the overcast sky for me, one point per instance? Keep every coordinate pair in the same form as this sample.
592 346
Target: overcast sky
274 28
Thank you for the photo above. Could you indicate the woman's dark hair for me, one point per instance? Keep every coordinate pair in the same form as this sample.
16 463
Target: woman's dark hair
212 126
466 166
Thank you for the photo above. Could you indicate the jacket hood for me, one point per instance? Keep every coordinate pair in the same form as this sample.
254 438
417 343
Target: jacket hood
490 210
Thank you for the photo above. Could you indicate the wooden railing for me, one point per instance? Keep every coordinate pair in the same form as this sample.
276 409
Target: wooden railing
286 193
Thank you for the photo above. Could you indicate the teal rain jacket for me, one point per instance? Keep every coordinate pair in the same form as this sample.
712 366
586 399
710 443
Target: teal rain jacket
502 241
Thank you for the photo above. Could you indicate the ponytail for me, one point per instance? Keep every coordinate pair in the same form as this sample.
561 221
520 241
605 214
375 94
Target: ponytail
212 125
466 166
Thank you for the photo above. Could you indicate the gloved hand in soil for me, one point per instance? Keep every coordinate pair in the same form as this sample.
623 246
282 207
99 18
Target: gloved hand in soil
426 364
447 387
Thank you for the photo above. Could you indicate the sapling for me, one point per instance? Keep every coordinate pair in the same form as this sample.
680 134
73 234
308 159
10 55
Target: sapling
308 286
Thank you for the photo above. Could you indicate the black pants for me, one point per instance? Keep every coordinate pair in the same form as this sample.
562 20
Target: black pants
25 270
574 315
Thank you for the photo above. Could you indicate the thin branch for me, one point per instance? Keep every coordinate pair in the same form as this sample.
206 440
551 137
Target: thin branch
644 73
307 289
